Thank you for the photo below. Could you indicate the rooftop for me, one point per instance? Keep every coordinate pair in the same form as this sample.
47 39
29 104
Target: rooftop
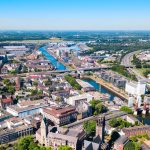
27 106
60 111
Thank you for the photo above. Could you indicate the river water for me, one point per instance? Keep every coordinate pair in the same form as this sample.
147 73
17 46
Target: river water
100 88
55 62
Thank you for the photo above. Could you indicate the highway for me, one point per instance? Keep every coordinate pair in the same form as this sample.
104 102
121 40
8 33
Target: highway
126 61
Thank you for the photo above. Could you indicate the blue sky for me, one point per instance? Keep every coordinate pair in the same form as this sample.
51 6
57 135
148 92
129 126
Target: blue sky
75 14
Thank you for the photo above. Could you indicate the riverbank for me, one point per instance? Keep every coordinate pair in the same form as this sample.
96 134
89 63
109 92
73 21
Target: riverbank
109 87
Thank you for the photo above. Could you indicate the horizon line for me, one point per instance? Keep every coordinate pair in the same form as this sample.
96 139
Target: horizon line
81 30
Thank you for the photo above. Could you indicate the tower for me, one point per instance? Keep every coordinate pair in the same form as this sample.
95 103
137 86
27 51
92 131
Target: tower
100 128
44 131
17 83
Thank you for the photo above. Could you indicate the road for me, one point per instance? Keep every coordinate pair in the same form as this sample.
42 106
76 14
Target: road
108 116
126 61
54 71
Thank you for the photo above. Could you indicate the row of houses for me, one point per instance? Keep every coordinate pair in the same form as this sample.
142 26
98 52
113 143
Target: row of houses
113 78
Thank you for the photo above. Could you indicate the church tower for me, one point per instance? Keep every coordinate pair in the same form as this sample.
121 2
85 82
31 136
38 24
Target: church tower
44 131
100 128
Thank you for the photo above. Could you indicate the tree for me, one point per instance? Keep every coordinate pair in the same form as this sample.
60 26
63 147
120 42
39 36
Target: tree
126 109
2 148
27 143
121 123
89 127
33 145
64 148
100 108
129 146
14 72
6 81
34 92
11 89
114 123
97 107
73 82
24 143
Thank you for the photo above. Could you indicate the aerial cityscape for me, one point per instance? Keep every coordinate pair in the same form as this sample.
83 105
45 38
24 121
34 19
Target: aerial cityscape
74 75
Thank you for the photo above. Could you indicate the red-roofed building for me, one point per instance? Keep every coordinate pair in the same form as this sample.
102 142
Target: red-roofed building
61 115
5 102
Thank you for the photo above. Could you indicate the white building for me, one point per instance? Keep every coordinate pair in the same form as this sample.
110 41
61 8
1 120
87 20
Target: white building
26 108
136 88
139 101
130 101
16 50
81 102
58 52
75 100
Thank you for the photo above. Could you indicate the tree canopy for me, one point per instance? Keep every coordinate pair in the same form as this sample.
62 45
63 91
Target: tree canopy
120 123
27 143
126 109
89 127
97 107
73 82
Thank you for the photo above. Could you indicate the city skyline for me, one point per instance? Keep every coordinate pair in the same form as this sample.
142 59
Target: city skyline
74 15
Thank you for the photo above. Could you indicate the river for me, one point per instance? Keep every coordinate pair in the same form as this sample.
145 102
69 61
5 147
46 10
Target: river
100 88
58 65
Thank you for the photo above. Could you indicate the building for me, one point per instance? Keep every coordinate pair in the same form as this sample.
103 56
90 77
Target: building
60 115
113 78
130 101
15 129
100 128
136 130
57 136
4 70
26 108
6 102
121 142
98 141
88 145
136 88
17 83
75 100
16 50
34 120
81 102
